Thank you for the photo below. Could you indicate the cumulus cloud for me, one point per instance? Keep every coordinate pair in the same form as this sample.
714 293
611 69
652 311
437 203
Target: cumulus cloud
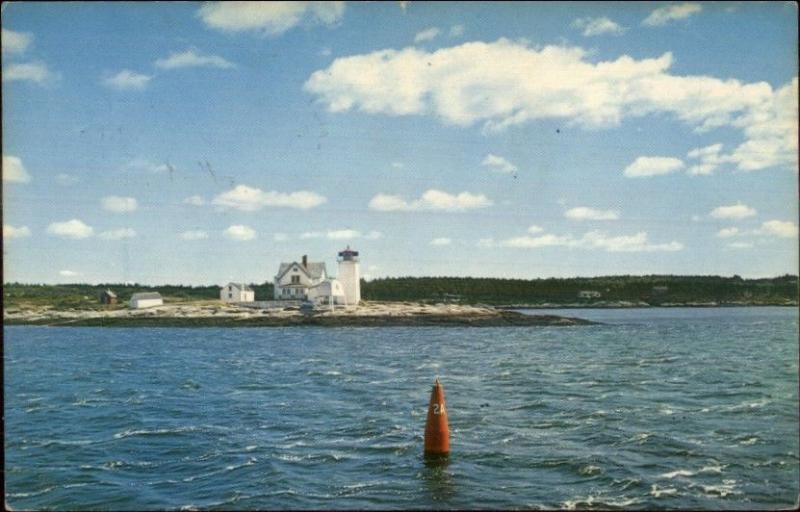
498 164
240 233
778 228
36 72
431 200
74 229
15 42
14 171
506 83
143 164
734 211
193 235
342 234
195 200
192 59
118 204
646 166
728 232
250 199
117 234
398 165
593 240
440 242
429 34
280 237
740 245
268 18
586 213
457 31
598 26
708 157
533 229
664 15
127 80
68 273
10 231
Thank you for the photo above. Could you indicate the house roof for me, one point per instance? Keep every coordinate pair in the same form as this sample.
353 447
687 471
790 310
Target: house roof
240 286
145 295
110 293
314 270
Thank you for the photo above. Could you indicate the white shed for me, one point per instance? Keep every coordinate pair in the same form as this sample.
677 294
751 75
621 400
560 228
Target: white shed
146 300
327 292
237 292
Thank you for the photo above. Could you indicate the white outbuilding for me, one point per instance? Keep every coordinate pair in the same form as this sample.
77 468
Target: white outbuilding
146 300
237 292
327 292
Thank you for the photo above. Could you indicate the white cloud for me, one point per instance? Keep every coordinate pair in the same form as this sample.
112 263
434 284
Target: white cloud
586 213
311 234
431 200
498 164
728 232
194 234
740 245
36 72
118 204
344 234
734 211
68 273
15 42
10 231
73 228
457 31
533 229
240 233
429 34
440 242
14 171
709 159
267 18
373 235
66 179
398 165
645 166
598 26
779 228
118 234
191 59
506 83
194 201
250 199
593 240
143 164
280 237
486 243
664 15
127 80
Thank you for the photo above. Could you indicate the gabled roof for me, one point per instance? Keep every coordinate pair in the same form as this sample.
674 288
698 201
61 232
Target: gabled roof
313 270
239 286
110 293
145 295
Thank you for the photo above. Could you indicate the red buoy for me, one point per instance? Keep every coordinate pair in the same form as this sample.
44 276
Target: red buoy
437 433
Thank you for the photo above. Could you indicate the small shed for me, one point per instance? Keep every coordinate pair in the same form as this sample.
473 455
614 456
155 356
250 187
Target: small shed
108 297
237 292
589 294
146 300
327 292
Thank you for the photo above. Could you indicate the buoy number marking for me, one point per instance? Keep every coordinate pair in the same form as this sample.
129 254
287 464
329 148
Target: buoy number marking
438 409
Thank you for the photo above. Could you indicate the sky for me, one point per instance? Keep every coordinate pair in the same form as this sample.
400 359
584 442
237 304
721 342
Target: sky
201 143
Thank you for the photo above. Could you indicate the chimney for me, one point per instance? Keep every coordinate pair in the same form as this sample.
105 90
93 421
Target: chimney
305 261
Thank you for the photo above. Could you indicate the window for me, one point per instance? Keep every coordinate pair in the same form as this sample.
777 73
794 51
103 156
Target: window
295 279
230 295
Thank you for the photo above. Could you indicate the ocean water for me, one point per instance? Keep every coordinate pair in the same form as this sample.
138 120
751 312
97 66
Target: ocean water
663 408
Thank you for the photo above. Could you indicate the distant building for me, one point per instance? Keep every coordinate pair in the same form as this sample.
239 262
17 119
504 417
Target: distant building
146 300
237 292
660 290
108 297
327 292
589 294
294 279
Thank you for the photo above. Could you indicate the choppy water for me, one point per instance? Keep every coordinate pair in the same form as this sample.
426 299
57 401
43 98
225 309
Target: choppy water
689 408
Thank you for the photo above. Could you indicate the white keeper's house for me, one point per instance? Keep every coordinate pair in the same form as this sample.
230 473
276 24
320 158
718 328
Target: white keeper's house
305 280
237 292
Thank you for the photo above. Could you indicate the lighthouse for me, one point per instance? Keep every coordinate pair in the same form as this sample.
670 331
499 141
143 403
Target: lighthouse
349 276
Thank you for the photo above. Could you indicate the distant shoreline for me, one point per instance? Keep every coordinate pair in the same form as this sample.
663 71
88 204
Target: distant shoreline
367 315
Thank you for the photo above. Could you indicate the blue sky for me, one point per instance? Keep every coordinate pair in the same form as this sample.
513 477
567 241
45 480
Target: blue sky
201 143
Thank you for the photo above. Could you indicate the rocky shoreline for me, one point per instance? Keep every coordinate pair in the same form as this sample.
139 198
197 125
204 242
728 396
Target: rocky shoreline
370 314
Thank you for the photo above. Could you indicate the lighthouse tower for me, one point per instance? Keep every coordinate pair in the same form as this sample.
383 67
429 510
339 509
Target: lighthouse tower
349 276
